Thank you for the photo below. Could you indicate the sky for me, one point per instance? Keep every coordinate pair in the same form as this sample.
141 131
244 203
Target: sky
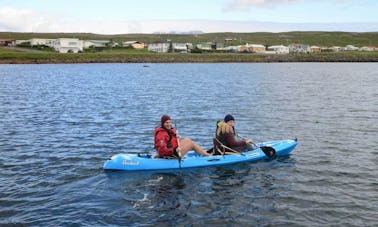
180 16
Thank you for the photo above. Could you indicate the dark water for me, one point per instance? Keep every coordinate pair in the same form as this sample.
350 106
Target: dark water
59 123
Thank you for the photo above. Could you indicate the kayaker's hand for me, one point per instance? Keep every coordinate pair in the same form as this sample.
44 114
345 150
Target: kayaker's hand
248 141
178 149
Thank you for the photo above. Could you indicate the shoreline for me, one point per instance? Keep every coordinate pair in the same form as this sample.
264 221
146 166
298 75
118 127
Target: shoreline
185 58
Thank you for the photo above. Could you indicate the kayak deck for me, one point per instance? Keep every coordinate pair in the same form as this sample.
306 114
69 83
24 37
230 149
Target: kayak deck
192 159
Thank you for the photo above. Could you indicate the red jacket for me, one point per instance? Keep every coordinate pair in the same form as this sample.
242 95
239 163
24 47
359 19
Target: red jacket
164 143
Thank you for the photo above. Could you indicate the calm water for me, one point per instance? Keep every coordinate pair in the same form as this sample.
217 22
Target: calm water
59 123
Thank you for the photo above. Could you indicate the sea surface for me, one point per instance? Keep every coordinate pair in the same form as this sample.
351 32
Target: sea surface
60 122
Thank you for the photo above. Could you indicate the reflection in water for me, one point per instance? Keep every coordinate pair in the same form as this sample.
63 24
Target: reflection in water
162 197
228 176
246 192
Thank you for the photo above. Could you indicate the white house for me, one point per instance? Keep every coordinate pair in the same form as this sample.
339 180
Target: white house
87 44
38 42
368 48
255 48
68 45
205 46
21 41
180 47
278 49
350 48
335 48
99 43
315 49
299 48
134 44
159 47
232 48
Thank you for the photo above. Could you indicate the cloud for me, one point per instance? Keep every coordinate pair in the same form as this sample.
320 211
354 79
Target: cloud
246 4
21 20
26 20
15 20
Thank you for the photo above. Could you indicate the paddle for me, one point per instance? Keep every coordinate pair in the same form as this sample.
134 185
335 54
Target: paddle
268 151
178 145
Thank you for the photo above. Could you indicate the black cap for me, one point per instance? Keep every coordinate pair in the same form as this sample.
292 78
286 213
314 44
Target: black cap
228 118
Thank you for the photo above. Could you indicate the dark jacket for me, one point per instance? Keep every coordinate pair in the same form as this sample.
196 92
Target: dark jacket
227 136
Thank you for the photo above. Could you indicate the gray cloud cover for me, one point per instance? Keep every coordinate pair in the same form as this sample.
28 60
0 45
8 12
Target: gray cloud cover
16 20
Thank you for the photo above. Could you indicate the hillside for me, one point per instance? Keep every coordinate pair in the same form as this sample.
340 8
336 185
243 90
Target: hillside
284 38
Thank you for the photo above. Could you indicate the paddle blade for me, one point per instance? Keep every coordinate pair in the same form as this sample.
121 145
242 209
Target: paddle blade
269 151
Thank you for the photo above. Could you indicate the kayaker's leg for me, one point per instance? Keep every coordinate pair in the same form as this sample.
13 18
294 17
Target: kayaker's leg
187 144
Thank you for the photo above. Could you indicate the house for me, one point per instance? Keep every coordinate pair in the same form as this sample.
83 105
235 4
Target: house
206 46
233 49
278 49
181 47
299 48
98 43
335 48
68 45
41 42
368 48
219 46
88 44
243 49
134 44
36 42
21 41
7 42
159 47
255 48
350 48
315 49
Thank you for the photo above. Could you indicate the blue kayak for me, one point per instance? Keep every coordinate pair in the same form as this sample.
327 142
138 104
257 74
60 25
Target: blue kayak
136 162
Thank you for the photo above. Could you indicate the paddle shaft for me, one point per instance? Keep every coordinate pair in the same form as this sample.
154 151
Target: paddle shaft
178 145
268 151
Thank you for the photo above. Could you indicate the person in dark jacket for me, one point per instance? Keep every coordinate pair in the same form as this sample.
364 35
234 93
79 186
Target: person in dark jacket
226 135
168 143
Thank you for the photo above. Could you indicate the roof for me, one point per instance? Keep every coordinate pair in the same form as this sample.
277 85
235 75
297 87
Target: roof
131 42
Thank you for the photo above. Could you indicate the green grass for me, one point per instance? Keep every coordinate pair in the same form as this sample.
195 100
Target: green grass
4 50
143 57
132 55
266 38
124 51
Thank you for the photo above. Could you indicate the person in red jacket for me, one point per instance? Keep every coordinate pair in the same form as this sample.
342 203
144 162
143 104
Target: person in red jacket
226 135
168 143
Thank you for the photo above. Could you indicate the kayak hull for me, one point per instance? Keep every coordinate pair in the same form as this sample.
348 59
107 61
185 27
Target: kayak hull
135 162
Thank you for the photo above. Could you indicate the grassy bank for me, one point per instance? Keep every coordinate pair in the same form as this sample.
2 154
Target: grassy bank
9 56
265 38
13 56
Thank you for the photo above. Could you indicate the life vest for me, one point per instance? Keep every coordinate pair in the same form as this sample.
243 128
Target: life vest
222 129
165 141
227 136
